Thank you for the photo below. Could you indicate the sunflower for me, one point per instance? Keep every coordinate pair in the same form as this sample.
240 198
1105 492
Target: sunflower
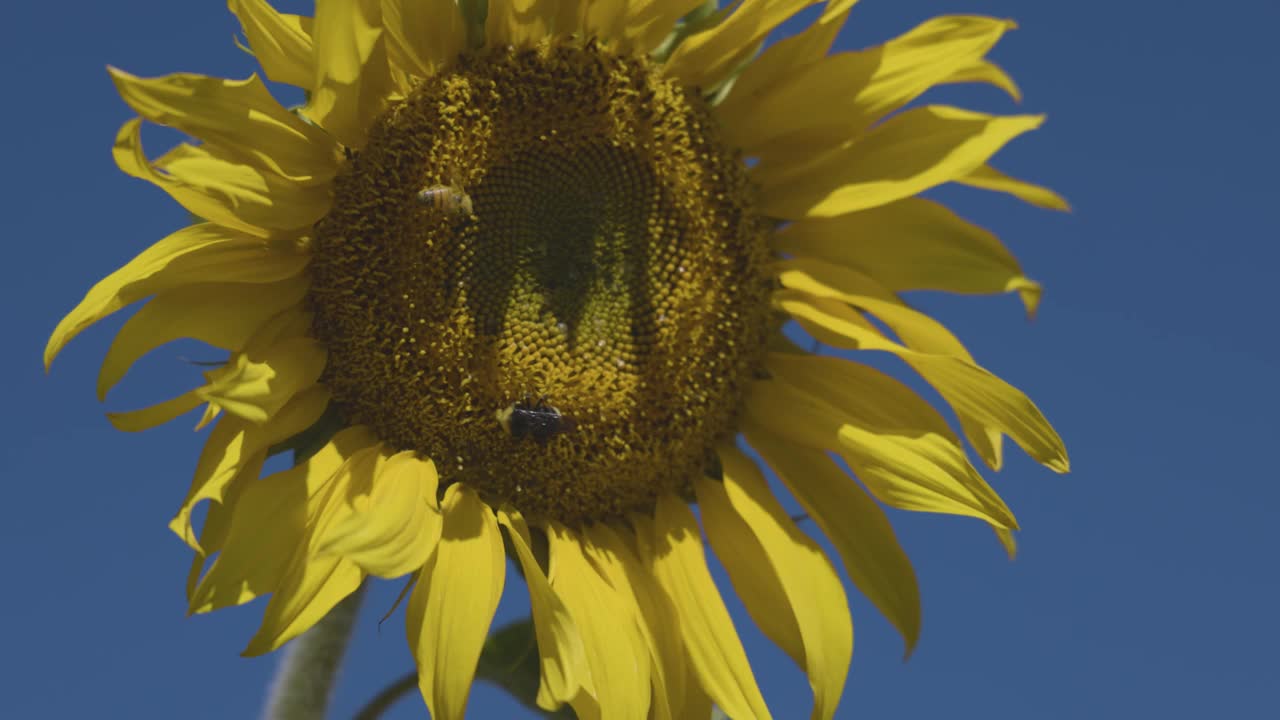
517 276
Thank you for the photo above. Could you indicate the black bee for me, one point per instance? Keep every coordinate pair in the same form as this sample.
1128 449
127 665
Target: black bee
537 420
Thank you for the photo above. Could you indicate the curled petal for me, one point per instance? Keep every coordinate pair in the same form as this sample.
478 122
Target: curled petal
388 523
235 445
217 187
195 254
256 387
239 116
352 77
270 526
224 315
282 42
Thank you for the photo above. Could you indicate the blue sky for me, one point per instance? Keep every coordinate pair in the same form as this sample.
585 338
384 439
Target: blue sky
1147 583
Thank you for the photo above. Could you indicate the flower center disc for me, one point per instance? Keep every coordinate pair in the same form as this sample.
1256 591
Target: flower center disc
543 272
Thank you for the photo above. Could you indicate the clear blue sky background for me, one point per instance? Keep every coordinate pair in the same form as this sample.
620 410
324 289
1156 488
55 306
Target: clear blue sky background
1147 583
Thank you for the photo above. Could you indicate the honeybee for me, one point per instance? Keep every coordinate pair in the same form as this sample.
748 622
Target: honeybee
446 198
537 420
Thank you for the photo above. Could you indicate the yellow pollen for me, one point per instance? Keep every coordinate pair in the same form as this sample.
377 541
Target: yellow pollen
544 273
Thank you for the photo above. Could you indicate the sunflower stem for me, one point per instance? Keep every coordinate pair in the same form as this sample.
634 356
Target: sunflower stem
304 681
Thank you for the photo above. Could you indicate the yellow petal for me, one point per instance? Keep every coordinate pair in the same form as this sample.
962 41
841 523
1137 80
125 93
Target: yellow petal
984 400
312 586
781 575
985 71
562 659
750 568
281 42
210 414
604 18
856 526
199 253
426 33
388 524
607 620
892 438
1008 542
913 244
265 531
648 21
836 11
779 62
235 444
217 522
224 315
217 519
453 604
697 704
158 414
240 116
706 58
907 154
832 100
971 390
256 386
678 562
269 525
313 583
293 323
330 503
216 187
917 330
989 178
824 279
352 78
524 22
657 619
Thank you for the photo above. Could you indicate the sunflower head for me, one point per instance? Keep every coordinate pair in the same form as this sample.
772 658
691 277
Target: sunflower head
513 283
587 255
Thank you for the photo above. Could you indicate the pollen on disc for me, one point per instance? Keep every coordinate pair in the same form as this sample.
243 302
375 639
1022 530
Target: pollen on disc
608 265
